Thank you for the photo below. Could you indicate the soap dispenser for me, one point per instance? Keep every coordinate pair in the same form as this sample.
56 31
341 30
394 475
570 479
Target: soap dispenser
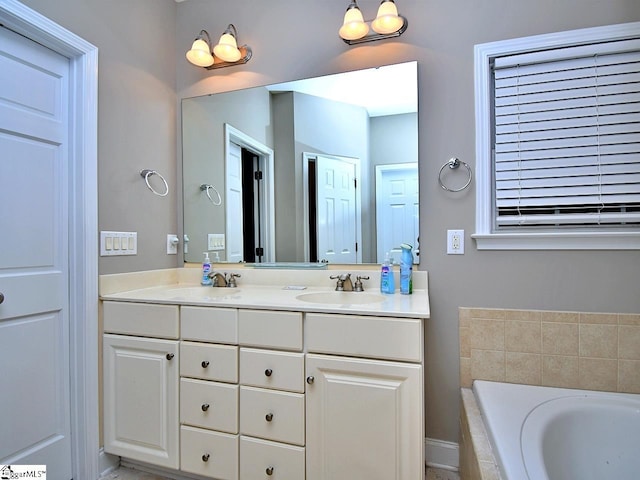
206 270
387 282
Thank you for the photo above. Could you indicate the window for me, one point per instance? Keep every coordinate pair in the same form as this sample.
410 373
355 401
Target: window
558 141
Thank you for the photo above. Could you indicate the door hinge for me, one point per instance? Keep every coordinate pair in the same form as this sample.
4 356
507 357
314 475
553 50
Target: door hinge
257 175
356 247
259 252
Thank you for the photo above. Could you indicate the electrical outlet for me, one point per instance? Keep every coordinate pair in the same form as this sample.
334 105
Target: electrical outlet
455 242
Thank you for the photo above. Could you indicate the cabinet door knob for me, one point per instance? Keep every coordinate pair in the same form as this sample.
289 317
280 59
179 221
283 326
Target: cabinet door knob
310 379
205 363
205 407
268 372
268 417
170 356
269 471
205 457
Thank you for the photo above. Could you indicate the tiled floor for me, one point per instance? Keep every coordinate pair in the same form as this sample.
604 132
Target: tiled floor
129 474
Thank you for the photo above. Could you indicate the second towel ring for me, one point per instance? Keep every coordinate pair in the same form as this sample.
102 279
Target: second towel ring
453 164
146 173
207 189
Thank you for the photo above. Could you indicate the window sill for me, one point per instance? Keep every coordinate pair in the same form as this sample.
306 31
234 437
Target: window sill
558 241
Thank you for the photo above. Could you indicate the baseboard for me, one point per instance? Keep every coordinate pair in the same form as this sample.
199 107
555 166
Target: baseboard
441 454
107 463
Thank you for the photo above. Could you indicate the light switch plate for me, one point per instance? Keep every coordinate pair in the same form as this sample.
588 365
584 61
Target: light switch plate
118 243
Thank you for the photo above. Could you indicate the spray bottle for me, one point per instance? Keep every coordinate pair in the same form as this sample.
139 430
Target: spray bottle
406 269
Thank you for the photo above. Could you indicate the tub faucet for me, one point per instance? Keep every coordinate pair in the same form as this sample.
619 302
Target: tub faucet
218 279
343 283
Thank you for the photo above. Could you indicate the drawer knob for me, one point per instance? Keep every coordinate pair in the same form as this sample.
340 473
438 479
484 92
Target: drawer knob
170 356
269 471
268 417
310 379
205 363
1 297
205 407
268 372
205 457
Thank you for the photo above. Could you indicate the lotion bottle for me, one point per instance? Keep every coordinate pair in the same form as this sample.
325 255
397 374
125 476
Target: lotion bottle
206 269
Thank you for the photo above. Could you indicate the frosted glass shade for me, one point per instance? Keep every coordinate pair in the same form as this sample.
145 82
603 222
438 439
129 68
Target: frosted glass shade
227 48
200 54
353 26
387 20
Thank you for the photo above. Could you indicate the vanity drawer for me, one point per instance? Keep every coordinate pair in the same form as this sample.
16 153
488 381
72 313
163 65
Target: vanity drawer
141 319
209 362
360 336
208 453
272 415
209 405
271 369
208 324
271 329
262 459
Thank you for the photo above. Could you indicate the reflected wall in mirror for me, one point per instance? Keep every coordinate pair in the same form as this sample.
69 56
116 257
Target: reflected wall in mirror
315 170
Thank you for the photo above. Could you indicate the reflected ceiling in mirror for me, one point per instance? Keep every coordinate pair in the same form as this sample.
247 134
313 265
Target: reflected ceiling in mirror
316 170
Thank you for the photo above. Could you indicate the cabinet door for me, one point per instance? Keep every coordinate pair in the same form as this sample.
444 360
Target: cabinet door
364 419
141 399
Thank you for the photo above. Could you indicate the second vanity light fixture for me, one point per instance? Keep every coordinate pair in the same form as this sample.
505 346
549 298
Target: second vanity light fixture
225 54
387 24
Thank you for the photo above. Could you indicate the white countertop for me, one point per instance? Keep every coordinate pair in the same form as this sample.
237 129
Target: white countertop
272 291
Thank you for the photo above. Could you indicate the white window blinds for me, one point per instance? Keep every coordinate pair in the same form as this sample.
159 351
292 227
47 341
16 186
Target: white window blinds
567 137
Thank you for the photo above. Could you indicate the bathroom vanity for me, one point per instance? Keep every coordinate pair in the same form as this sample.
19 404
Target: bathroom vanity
267 380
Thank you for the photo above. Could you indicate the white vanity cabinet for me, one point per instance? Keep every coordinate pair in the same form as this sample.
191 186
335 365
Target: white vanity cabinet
264 394
141 382
364 415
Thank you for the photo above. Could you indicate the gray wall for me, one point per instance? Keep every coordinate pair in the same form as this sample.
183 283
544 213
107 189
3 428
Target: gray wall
293 39
137 117
203 157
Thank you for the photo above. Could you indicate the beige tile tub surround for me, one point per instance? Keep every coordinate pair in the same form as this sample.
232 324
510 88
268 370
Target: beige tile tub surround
593 351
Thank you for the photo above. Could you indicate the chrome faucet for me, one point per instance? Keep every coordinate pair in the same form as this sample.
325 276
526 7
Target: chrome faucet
343 283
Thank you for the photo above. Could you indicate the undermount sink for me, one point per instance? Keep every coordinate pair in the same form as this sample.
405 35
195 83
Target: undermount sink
341 298
202 292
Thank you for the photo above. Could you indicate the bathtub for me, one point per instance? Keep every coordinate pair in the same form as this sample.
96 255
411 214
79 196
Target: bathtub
545 433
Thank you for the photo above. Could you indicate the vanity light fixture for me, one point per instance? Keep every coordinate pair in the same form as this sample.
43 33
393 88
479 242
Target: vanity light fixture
387 24
225 54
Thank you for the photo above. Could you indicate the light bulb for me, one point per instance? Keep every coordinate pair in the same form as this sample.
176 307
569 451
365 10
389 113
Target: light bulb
353 27
200 54
227 48
387 20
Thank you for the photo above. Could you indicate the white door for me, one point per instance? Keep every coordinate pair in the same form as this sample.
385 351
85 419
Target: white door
397 217
34 316
336 210
363 419
233 198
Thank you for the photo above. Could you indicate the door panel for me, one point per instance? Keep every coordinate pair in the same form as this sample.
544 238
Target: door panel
336 216
397 219
34 322
235 237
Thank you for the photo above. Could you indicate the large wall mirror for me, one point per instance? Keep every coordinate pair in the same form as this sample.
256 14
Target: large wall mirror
316 170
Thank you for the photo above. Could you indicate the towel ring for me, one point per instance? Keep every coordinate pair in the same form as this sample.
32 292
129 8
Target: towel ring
146 173
453 164
207 189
